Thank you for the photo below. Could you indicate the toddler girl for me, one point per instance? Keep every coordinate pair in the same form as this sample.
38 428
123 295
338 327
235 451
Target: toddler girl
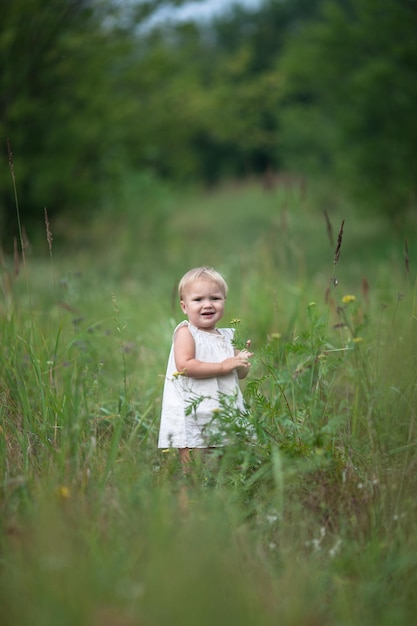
203 366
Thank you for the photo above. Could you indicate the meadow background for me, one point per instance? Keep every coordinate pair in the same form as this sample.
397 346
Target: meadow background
303 196
313 524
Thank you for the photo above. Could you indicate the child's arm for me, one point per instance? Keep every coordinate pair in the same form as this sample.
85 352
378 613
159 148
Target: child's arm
188 365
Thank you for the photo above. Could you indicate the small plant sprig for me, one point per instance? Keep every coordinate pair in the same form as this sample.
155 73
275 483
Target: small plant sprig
334 281
22 235
238 342
337 253
49 239
19 223
120 329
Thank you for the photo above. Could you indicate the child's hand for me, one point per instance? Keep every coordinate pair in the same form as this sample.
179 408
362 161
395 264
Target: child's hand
239 362
242 370
243 356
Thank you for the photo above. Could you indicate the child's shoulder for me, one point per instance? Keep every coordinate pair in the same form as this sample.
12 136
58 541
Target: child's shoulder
183 324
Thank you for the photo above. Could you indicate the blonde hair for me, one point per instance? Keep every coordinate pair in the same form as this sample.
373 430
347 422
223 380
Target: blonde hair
202 273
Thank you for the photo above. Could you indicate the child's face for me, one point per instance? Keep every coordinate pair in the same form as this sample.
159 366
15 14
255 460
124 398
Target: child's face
203 303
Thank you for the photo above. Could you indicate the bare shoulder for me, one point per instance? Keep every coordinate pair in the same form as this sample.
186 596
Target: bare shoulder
183 332
183 337
184 345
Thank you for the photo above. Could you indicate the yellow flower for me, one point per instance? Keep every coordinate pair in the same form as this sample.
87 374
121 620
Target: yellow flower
176 374
235 321
357 339
348 299
64 492
275 336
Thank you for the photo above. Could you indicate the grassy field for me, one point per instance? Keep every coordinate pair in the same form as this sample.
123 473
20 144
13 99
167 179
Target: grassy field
315 523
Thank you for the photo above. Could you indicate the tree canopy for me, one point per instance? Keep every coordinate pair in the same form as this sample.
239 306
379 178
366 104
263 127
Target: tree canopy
88 95
55 104
351 100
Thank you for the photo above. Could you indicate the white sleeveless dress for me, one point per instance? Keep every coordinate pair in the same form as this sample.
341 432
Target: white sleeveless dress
189 405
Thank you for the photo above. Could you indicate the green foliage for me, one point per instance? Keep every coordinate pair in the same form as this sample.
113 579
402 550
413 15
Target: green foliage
91 97
52 117
228 125
312 500
351 98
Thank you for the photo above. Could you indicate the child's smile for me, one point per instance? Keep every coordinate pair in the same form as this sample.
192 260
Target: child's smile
203 303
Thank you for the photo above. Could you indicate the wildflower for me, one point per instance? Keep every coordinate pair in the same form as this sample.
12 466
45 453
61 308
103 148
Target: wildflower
348 299
316 543
235 321
333 551
357 339
176 374
275 336
64 492
311 304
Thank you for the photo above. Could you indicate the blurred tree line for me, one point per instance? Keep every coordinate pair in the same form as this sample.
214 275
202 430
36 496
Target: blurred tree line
89 95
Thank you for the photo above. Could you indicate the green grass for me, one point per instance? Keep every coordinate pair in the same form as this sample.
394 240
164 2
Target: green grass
313 524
